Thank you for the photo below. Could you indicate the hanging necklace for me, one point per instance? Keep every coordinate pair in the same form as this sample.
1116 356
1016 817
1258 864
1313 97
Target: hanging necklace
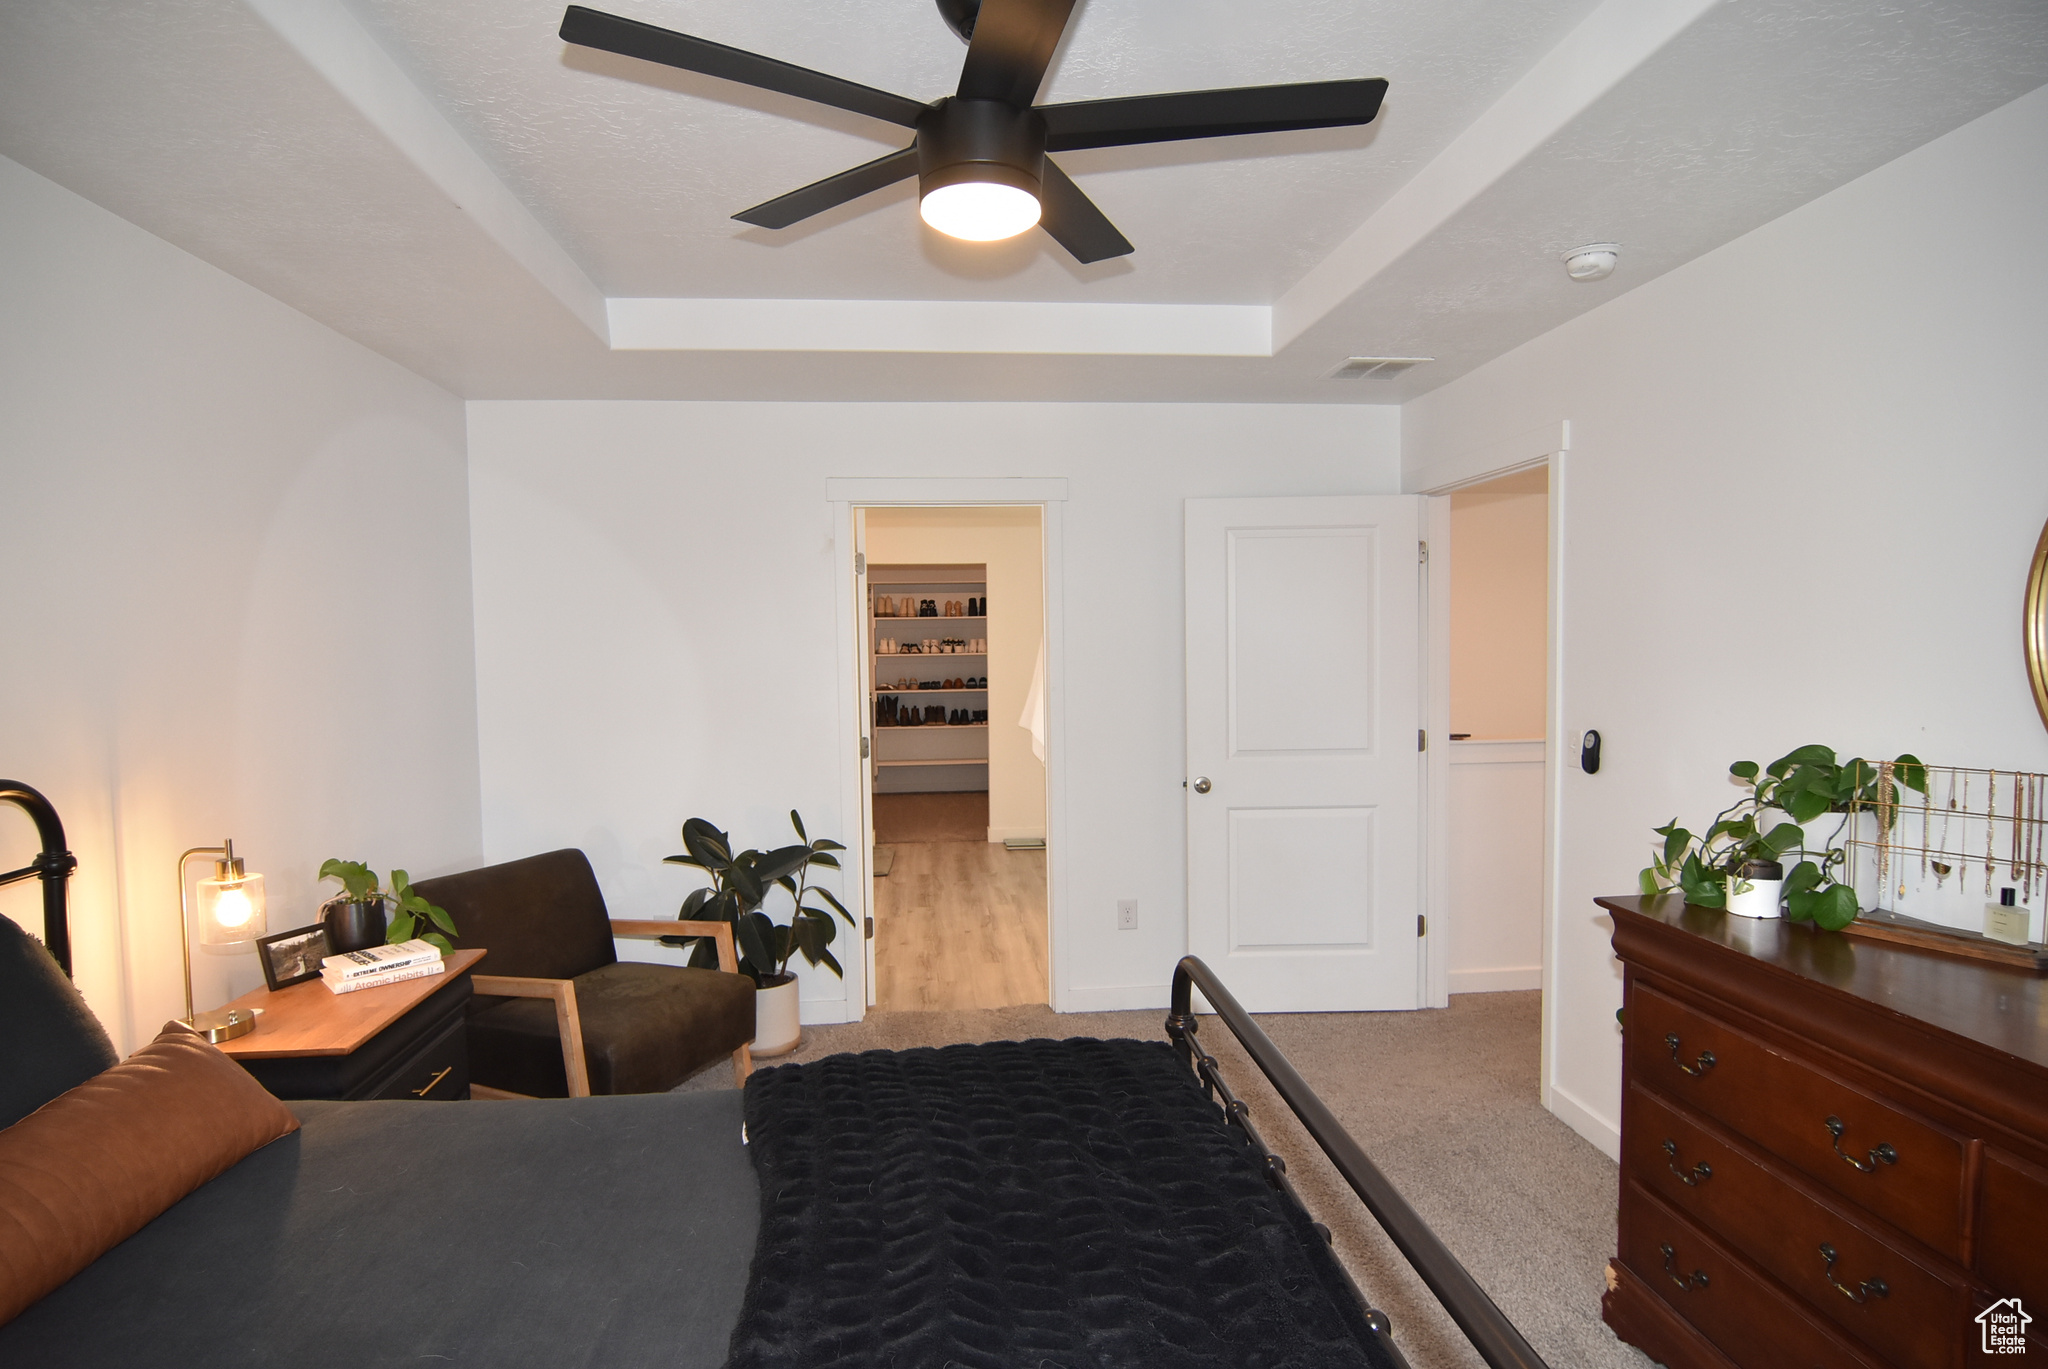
1991 833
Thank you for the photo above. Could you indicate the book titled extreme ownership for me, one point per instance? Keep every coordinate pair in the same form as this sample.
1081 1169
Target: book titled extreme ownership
337 984
375 960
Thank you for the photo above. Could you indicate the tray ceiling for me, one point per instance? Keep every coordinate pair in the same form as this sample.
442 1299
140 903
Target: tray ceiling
452 185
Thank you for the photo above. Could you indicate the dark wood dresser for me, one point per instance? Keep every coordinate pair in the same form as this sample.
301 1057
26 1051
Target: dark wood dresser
1834 1151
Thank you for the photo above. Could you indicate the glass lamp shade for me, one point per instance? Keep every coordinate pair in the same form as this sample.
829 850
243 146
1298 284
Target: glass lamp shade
231 909
979 211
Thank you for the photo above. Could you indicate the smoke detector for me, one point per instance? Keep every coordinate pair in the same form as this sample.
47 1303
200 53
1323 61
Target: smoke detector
1594 261
1375 368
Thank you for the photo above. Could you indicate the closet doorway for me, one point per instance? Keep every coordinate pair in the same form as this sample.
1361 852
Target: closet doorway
954 630
1499 668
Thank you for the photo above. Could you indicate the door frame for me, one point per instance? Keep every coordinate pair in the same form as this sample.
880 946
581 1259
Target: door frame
1548 446
843 494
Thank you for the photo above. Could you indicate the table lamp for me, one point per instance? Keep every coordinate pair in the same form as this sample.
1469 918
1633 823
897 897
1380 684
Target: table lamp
230 914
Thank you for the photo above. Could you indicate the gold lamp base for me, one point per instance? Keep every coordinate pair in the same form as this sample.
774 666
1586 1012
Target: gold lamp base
223 1024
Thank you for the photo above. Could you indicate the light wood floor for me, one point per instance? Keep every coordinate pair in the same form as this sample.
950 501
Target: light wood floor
960 924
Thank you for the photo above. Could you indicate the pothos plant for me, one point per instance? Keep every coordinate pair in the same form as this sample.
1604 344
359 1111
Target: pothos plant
1802 787
410 912
742 882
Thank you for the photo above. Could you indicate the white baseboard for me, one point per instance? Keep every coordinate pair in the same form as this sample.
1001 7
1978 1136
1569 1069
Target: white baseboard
1605 1135
999 835
1116 998
814 1012
1497 981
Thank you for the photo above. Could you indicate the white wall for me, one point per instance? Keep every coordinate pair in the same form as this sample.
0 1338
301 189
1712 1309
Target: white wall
1500 606
238 595
1806 475
656 617
1010 542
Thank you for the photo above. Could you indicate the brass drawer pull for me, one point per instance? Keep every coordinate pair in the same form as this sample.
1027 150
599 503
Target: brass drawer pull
1692 1178
1686 1282
423 1092
1862 1292
1700 1066
1880 1154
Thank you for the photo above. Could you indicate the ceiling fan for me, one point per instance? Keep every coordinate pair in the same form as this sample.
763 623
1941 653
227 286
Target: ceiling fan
979 155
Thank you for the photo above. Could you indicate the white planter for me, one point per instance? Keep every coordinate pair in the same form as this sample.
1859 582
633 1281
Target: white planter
1760 901
777 1030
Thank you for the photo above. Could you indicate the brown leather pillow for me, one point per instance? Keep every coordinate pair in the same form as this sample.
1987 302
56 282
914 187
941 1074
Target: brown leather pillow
95 1165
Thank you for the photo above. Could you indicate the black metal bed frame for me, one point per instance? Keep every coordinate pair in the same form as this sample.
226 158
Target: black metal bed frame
1484 1324
53 867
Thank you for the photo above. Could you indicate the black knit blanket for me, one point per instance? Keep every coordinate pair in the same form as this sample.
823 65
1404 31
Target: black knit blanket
1025 1205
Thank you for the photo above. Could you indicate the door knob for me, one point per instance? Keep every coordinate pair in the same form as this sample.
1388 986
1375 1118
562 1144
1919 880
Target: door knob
1201 784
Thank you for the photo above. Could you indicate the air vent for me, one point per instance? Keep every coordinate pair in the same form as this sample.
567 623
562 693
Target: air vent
1375 368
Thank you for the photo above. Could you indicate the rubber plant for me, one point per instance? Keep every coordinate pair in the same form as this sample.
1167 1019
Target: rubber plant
741 883
409 913
1802 786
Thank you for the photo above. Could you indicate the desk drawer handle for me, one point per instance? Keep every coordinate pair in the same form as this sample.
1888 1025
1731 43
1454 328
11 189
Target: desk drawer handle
1686 1282
1692 1178
1880 1154
1862 1292
423 1092
1700 1066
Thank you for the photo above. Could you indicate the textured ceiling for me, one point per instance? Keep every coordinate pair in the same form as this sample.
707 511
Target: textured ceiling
639 168
197 121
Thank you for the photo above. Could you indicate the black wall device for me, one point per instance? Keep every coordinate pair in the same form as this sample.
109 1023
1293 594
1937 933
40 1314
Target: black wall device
1589 753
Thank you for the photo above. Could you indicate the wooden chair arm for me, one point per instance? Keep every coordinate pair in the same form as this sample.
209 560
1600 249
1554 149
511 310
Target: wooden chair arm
568 1022
720 932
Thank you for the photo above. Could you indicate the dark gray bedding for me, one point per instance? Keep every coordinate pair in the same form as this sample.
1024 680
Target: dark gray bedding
589 1231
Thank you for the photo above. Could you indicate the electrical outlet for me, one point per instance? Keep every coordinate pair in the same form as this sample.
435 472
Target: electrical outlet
1127 915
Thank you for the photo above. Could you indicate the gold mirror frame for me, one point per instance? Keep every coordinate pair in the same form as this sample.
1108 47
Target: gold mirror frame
2037 626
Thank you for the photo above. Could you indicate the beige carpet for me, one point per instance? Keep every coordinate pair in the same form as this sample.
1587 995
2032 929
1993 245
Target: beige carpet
1444 1102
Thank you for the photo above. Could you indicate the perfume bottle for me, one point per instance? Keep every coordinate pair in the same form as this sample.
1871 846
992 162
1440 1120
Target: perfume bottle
2006 921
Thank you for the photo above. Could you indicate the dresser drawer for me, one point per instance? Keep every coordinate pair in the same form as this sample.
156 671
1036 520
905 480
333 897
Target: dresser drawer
437 1071
2012 1232
1739 1311
1729 1190
1898 1165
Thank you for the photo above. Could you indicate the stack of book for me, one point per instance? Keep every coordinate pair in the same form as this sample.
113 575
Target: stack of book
377 965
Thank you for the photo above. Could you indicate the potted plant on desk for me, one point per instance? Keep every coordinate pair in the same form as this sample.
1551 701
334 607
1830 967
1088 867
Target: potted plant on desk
355 916
740 884
1803 785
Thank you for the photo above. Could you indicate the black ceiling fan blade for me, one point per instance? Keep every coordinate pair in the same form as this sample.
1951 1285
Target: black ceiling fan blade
1012 46
1210 113
630 38
819 196
1073 220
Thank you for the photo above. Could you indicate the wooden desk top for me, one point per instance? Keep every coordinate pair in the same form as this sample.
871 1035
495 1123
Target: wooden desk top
1994 1006
310 1019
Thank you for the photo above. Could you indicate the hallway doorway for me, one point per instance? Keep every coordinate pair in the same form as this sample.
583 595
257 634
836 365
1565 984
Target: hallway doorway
954 629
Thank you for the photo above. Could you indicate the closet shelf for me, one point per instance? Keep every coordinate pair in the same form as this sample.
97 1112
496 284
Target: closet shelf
961 760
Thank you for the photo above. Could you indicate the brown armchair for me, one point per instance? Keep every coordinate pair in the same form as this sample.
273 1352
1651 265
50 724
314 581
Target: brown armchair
562 1015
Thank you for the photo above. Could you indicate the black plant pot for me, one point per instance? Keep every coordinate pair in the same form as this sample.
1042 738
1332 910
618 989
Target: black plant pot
354 926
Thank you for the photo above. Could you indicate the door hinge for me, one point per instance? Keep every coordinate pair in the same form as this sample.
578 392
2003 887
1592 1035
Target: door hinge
871 929
860 563
1422 924
1421 739
863 748
1424 557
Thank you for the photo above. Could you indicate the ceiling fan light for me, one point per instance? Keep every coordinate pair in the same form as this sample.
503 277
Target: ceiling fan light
979 211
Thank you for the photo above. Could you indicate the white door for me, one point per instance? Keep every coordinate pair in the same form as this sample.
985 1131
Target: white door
1304 710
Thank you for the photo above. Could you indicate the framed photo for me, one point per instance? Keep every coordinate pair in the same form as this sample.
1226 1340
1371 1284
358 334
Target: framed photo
293 957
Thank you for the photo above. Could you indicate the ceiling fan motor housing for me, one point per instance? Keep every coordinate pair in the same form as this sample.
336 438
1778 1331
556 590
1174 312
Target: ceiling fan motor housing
980 140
